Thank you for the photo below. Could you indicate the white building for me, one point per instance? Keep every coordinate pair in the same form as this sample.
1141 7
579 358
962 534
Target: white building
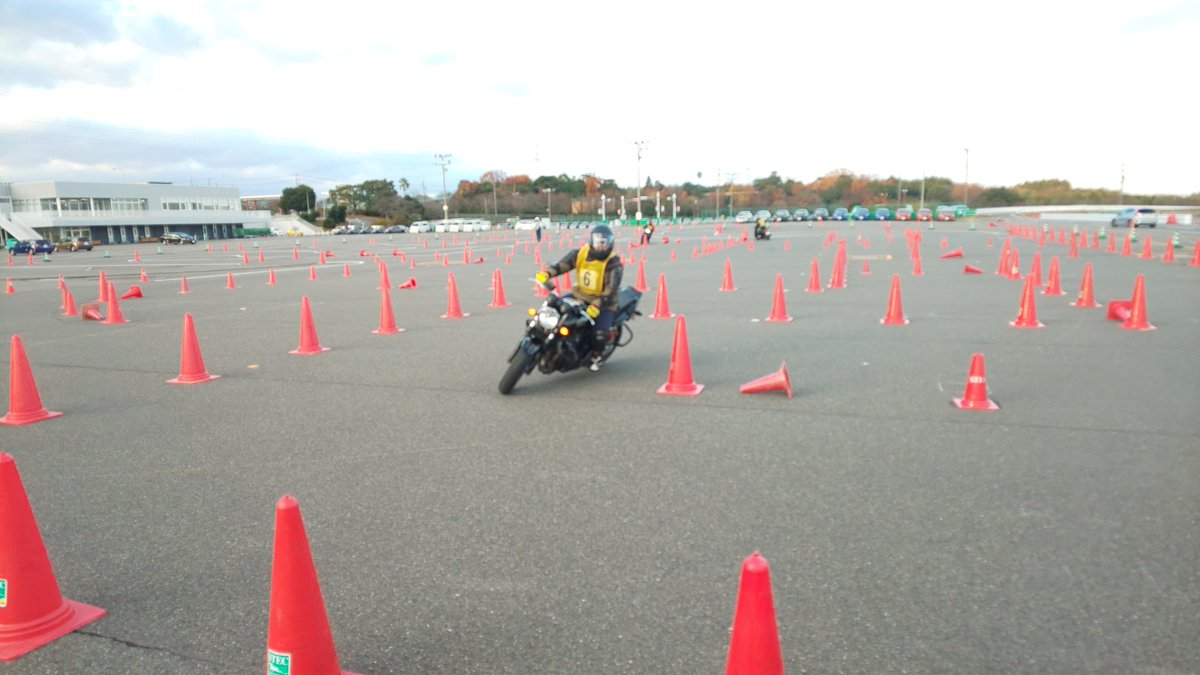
114 213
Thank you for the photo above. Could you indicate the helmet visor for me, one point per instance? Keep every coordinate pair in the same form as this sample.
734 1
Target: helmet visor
601 242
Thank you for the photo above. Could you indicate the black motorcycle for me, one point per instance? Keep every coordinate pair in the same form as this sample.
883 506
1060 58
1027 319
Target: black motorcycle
558 336
761 232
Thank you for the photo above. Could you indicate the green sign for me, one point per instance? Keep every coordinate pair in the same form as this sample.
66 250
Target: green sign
278 664
3 592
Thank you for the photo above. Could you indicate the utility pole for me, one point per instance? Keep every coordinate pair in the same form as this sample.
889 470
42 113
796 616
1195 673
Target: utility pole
444 161
966 176
639 145
1121 194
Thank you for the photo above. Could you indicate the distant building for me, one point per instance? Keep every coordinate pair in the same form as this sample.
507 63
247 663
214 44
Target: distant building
118 213
261 203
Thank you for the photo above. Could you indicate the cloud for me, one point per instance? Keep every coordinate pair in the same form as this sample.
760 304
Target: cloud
437 59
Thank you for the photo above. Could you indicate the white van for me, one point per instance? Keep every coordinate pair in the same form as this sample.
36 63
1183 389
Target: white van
419 227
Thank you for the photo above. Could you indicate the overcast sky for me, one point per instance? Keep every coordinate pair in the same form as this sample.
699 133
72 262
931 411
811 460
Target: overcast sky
260 93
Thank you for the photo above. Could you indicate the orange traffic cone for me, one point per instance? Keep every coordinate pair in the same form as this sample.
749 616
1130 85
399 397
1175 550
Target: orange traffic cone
814 278
776 381
1137 310
8 287
1035 269
387 319
38 613
1169 253
411 283
298 636
956 253
245 258
114 307
271 277
779 304
971 269
662 308
917 270
754 643
976 395
1014 264
498 299
1195 256
1027 316
346 270
133 292
309 344
296 252
895 311
69 304
679 377
1087 298
321 258
230 284
142 278
453 311
1148 249
640 286
312 272
91 312
1127 247
24 402
1053 283
385 281
191 363
866 268
727 281
103 297
183 286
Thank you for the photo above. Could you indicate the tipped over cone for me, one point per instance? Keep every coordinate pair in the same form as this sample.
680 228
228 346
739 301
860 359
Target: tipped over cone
975 397
411 283
133 292
956 253
679 377
971 269
33 611
191 363
24 401
776 381
754 642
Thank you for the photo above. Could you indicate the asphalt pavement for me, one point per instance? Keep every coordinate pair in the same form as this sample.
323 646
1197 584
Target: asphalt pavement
585 524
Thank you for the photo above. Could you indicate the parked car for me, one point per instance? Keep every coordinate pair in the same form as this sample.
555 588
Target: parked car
31 246
176 238
1138 217
820 213
801 214
73 244
883 213
860 213
904 213
743 217
945 213
840 213
421 227
924 214
763 215
782 215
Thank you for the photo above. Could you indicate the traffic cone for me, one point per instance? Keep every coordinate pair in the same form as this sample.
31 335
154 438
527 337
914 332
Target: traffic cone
1112 244
103 297
866 268
662 308
8 287
754 642
1137 311
1169 254
271 277
296 253
1027 316
346 270
309 344
776 381
114 307
1127 247
37 613
69 304
838 278
142 278
976 395
298 636
498 299
727 281
1002 267
1195 256
779 304
895 311
191 363
453 311
1147 249
1035 269
956 253
679 376
814 278
971 269
321 258
387 319
411 283
261 257
385 280
312 272
24 402
1014 264
1053 283
183 286
245 258
133 292
640 286
230 284
1086 299
91 312
917 270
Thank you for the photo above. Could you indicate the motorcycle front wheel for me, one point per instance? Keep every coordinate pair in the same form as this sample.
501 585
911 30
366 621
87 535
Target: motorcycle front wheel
516 368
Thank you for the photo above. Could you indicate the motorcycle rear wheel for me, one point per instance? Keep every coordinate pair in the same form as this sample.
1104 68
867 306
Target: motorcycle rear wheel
516 368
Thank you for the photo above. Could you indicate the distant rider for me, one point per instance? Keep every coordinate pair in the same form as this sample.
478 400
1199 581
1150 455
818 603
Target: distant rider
598 271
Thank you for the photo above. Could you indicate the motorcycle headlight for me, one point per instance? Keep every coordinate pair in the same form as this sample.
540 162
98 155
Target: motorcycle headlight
547 318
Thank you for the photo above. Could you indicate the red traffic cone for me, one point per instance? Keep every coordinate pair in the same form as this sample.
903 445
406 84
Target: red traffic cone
183 286
312 272
1127 247
261 258
385 281
866 268
1014 264
133 292
679 377
956 253
754 643
1169 253
24 402
498 299
1147 249
776 381
976 395
453 311
1087 298
662 307
1027 316
387 319
779 304
971 269
346 270
309 344
895 311
640 285
230 284
191 363
69 304
1053 283
245 258
91 312
411 283
103 297
1137 310
321 258
114 307
142 278
271 277
298 636
814 278
727 280
38 613
917 270
296 253
1195 256
8 287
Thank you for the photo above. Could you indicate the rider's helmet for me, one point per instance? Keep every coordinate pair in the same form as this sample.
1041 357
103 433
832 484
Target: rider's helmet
600 243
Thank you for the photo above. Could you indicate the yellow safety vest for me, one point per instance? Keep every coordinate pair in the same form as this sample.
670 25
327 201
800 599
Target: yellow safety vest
589 274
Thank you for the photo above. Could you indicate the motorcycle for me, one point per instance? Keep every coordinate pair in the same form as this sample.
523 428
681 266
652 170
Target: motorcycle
558 336
761 232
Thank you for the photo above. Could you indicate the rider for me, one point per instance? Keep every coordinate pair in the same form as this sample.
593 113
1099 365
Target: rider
760 228
598 272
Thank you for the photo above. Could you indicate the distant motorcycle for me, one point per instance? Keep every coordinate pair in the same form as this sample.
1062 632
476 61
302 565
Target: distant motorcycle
761 232
558 336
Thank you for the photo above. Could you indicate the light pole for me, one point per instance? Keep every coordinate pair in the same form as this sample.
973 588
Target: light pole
674 209
549 210
1121 194
922 188
603 199
622 208
639 145
966 176
444 161
657 207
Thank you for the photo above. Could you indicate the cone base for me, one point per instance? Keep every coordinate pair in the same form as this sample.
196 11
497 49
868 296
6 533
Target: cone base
1080 305
777 319
1023 324
460 315
656 315
305 351
964 404
21 419
727 290
387 331
1129 326
69 618
893 322
691 389
193 379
